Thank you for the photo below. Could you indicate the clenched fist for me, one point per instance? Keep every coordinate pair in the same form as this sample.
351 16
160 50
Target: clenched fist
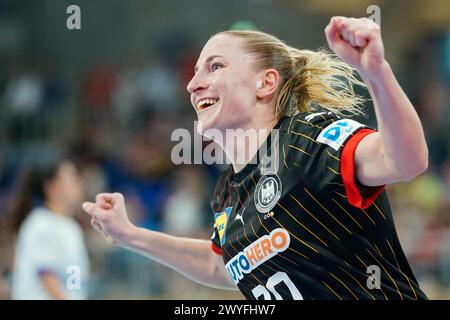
109 216
357 42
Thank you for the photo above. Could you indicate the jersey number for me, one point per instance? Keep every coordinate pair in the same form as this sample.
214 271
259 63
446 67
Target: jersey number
275 279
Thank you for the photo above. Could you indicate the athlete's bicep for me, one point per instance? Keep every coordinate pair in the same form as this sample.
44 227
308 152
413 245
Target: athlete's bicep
371 168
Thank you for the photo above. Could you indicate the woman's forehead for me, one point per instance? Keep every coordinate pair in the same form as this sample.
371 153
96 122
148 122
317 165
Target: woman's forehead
228 46
67 167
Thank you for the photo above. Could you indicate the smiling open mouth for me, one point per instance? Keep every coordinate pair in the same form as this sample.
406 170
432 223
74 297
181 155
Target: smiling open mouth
206 103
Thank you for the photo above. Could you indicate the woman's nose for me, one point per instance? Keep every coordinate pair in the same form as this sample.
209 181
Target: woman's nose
196 83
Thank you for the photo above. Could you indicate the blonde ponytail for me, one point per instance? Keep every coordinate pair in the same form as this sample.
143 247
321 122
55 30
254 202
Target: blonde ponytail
310 79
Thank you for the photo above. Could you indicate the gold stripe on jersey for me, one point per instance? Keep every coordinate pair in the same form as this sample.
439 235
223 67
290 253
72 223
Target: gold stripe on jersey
301 224
305 136
245 234
336 183
393 281
253 179
351 217
340 298
369 217
410 285
356 280
379 252
407 279
299 149
297 238
384 217
392 250
340 194
334 157
242 245
239 197
346 287
246 190
312 216
286 258
366 266
326 210
229 242
334 171
301 254
398 266
310 124
289 248
290 123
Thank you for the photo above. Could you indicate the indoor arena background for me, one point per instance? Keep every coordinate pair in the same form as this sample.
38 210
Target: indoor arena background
112 93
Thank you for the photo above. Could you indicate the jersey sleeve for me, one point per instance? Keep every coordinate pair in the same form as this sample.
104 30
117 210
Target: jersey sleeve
322 148
215 241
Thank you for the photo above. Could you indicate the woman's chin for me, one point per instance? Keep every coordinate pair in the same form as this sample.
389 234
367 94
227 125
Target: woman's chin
209 123
206 127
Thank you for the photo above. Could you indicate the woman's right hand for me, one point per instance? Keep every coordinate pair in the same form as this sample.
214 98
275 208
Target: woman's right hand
109 217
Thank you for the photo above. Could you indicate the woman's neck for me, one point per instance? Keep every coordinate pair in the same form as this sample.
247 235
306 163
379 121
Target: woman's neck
57 208
242 145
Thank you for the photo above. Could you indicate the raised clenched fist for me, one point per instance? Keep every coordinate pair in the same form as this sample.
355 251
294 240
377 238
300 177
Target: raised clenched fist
357 42
109 216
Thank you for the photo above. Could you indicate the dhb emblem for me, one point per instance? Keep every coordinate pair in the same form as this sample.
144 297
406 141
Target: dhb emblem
267 192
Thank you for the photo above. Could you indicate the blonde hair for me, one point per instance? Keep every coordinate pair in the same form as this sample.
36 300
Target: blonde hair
309 78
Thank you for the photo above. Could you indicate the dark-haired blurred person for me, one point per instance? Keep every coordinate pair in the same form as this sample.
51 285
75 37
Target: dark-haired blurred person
50 259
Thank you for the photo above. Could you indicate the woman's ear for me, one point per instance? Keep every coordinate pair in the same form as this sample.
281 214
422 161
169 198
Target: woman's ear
268 85
258 84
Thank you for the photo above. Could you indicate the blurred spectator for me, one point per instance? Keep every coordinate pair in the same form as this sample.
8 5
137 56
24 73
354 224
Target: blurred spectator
22 99
126 100
24 93
183 213
49 241
97 89
54 91
159 86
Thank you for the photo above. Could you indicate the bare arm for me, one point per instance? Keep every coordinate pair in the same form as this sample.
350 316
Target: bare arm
51 284
191 257
398 152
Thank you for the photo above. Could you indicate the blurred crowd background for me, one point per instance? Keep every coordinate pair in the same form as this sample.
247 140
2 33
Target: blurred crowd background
110 95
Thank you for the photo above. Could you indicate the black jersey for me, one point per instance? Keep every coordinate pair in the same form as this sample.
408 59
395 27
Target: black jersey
303 227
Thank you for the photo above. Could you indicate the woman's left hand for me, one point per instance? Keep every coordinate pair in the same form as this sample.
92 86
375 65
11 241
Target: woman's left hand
357 42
